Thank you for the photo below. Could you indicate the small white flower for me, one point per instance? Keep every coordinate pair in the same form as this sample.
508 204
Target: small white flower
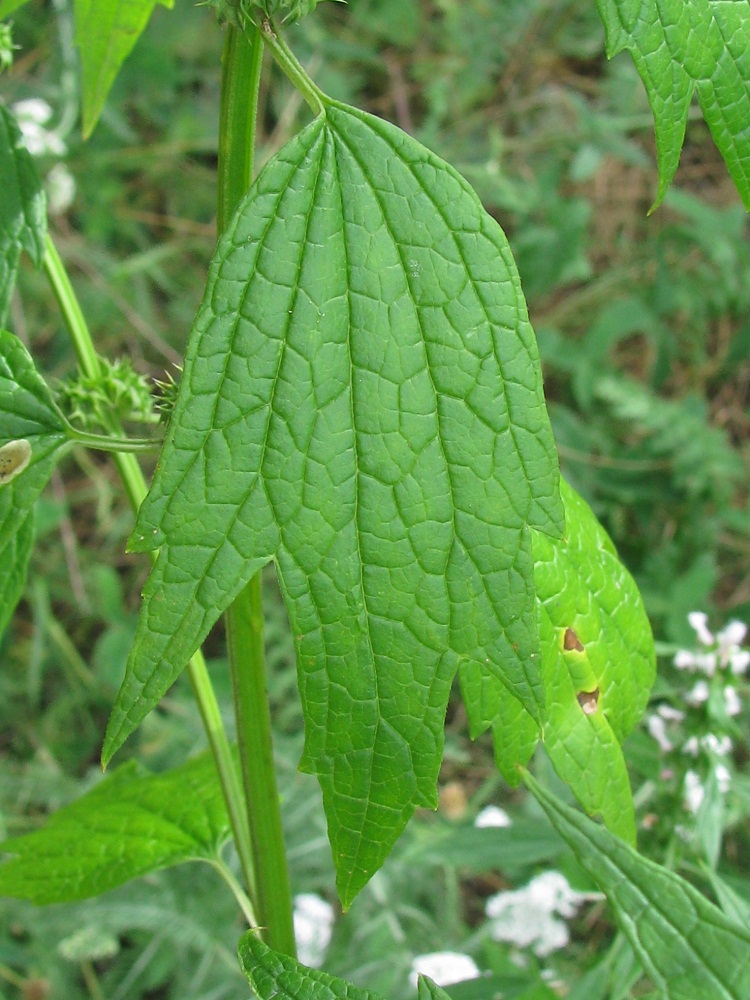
658 729
723 778
730 654
704 662
691 746
60 188
719 745
32 115
739 661
732 701
670 714
444 968
698 695
313 923
530 916
694 791
699 622
493 816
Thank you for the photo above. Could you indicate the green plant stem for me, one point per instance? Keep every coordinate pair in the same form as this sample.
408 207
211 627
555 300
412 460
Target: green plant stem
105 442
294 69
135 488
244 619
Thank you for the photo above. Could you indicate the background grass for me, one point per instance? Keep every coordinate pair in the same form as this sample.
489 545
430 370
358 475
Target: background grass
644 328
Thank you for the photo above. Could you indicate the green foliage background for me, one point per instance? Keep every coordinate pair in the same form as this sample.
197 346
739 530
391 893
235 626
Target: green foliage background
644 333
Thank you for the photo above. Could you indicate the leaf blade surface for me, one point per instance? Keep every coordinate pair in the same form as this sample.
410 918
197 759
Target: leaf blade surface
362 403
687 945
130 824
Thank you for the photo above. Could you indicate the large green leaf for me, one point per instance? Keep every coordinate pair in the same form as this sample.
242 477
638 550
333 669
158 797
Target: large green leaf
361 402
32 433
23 218
679 49
273 975
106 31
598 665
687 946
130 824
15 553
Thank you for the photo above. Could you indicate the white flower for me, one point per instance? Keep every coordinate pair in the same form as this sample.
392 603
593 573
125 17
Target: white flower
670 714
444 968
32 115
723 778
493 816
699 622
530 916
658 729
691 746
313 923
694 791
732 701
686 660
698 695
719 745
60 188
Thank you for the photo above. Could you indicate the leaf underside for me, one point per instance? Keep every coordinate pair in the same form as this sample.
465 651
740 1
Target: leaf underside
23 218
362 403
687 946
680 49
130 824
106 31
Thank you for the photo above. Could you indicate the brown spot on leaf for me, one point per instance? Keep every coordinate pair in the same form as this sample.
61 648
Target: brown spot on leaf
589 701
14 457
571 640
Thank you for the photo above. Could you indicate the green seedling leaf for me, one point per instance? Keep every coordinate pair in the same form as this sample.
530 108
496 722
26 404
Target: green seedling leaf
362 403
130 824
23 212
15 554
106 32
681 49
274 976
687 946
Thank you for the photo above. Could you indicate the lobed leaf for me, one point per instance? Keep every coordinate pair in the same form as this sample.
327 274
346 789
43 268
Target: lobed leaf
106 32
598 665
130 824
361 402
681 49
687 945
23 218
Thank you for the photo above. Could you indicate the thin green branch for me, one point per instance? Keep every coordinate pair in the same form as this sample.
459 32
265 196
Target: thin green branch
136 489
293 68
244 619
111 442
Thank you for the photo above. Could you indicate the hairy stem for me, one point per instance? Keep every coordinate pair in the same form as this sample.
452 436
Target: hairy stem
135 487
244 619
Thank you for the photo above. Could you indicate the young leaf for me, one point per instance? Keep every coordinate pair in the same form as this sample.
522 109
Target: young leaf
130 824
23 218
15 552
687 946
106 31
32 434
679 49
274 976
361 402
